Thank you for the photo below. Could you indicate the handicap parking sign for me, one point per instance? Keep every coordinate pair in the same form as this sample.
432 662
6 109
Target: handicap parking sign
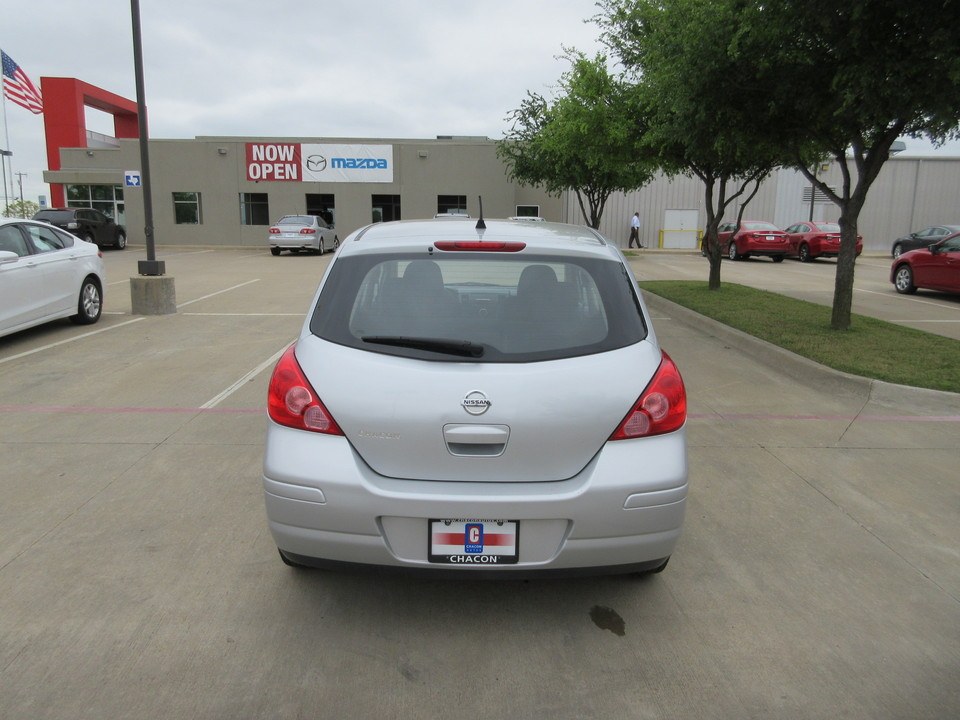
131 178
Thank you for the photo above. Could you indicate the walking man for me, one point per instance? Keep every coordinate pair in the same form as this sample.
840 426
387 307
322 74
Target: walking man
635 231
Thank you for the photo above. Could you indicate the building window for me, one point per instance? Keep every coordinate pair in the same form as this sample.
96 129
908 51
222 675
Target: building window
254 209
186 208
452 204
108 199
385 208
528 211
322 205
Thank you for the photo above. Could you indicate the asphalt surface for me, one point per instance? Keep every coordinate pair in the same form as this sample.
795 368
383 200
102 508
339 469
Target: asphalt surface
817 577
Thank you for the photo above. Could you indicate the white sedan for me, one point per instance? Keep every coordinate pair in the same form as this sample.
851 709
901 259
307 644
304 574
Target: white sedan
47 274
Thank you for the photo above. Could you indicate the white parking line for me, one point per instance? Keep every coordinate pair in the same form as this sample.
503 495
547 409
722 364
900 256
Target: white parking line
69 340
909 299
219 292
269 362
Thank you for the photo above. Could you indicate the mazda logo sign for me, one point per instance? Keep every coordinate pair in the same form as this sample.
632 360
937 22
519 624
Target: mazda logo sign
316 163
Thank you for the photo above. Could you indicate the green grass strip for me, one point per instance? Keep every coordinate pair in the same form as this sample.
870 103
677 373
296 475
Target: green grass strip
871 348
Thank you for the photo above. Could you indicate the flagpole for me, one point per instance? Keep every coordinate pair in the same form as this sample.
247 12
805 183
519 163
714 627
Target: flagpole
3 158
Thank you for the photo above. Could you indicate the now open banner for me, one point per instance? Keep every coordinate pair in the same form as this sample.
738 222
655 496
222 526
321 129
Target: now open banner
300 162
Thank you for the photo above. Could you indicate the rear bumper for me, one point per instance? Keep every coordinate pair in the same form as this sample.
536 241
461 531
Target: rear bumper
294 244
622 513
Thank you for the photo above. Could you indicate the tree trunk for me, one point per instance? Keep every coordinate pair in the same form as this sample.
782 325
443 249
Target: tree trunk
846 265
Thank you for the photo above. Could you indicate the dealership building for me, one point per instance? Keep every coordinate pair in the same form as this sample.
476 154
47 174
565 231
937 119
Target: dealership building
229 190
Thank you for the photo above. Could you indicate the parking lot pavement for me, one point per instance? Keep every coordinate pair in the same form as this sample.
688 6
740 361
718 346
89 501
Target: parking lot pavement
818 575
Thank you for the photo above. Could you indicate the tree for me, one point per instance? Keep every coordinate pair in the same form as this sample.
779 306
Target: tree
685 58
584 140
865 72
820 78
21 209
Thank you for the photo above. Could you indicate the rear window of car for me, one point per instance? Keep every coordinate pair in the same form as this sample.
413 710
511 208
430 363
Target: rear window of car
296 220
760 226
469 308
828 227
54 216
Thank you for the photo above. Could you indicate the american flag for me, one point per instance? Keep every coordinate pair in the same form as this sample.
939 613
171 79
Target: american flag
17 87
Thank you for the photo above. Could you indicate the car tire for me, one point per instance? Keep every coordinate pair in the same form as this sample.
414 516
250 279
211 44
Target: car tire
732 251
336 243
121 241
322 249
87 237
903 280
274 251
89 304
777 258
897 250
804 253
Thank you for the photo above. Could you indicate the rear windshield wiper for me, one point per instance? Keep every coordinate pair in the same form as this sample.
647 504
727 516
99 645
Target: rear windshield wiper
464 348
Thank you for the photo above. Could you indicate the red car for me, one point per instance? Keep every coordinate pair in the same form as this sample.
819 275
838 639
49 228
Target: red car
754 237
812 239
934 268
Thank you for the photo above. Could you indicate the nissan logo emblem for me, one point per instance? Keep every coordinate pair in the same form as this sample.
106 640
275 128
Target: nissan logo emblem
475 403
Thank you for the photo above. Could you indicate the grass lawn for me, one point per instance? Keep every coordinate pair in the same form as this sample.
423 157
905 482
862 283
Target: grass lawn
871 348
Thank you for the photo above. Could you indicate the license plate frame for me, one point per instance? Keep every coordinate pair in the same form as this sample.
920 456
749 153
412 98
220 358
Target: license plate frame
465 542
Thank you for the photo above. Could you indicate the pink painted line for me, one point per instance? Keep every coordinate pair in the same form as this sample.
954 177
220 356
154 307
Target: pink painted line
38 408
692 416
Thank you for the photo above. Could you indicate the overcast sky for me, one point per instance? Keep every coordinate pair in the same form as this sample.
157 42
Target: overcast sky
297 68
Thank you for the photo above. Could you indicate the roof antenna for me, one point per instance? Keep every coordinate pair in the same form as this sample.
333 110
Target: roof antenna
481 225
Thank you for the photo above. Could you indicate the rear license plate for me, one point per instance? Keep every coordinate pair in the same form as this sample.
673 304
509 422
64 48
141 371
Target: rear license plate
474 542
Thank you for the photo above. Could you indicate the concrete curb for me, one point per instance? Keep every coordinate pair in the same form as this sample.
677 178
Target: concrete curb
920 400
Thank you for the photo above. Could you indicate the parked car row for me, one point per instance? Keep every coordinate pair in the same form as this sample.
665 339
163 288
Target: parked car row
806 241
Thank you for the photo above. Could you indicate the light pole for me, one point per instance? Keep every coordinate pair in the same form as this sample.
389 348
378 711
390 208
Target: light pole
152 292
150 266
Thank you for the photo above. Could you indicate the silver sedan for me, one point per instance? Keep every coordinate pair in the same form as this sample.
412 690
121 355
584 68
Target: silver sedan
302 232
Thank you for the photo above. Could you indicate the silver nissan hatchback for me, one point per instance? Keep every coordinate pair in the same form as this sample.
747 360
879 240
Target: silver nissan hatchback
499 407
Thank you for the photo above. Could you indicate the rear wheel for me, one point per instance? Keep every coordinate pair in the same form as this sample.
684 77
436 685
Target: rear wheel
121 241
90 303
274 251
903 280
777 258
87 237
897 250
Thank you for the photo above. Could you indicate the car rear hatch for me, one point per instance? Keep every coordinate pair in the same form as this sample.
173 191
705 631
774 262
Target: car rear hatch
493 363
477 422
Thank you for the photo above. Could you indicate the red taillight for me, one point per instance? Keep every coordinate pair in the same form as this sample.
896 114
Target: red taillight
292 402
274 231
662 407
480 245
308 231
